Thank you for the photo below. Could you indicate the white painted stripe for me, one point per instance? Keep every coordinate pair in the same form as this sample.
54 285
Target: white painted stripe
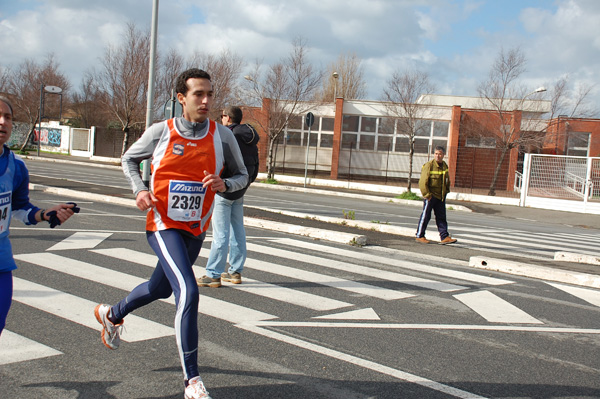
536 241
367 364
81 240
209 306
317 278
81 311
359 314
129 255
329 281
588 295
288 295
63 229
348 267
495 309
16 348
387 260
432 327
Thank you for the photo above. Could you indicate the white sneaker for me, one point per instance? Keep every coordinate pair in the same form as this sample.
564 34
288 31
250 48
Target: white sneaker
110 332
196 389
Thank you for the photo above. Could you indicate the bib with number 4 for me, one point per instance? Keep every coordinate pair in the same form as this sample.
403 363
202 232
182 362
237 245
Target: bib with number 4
185 200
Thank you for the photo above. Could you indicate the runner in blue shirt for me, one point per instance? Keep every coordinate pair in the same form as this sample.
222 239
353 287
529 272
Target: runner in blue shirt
14 202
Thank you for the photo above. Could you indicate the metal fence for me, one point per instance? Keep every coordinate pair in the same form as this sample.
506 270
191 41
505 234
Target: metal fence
560 177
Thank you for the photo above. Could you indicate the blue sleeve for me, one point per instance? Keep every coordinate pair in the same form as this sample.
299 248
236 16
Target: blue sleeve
22 209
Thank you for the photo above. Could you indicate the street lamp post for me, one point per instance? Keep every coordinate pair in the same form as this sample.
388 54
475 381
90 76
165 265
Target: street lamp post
335 76
538 90
150 98
51 90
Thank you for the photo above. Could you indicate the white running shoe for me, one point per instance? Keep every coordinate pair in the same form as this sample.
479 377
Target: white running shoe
110 332
196 389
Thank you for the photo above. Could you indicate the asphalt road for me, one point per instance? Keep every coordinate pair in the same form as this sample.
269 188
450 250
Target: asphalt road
313 318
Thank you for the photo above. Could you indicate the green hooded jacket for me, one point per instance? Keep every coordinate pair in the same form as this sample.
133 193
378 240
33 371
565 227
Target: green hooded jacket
435 180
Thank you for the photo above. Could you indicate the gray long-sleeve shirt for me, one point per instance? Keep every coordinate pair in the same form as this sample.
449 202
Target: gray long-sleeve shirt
145 146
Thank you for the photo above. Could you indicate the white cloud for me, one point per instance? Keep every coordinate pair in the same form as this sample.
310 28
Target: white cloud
563 37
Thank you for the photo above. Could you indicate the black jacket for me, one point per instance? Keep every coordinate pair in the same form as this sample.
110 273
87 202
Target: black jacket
247 139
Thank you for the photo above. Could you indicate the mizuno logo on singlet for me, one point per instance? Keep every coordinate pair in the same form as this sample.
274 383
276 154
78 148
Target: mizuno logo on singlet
4 199
187 187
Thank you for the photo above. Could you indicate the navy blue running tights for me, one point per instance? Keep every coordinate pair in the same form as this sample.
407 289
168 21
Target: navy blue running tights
6 291
176 253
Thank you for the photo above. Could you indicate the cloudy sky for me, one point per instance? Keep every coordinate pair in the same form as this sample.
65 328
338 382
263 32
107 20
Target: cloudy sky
456 41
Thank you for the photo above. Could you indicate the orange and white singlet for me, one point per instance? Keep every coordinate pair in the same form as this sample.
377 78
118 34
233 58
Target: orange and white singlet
178 167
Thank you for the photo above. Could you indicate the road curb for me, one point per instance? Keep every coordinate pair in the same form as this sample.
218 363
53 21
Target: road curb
452 207
333 236
577 258
322 234
383 228
535 271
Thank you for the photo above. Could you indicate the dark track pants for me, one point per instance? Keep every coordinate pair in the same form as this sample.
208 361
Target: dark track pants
6 291
439 208
176 253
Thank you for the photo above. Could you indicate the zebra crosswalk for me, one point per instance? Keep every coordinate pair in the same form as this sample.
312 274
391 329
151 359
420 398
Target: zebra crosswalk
526 244
339 272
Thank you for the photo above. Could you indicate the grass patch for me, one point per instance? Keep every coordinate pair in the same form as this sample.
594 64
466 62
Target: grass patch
270 181
349 214
409 195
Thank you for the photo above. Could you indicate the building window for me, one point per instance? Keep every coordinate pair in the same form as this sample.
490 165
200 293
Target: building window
440 129
402 144
294 138
367 142
368 124
327 124
350 123
295 122
326 140
349 140
421 146
480 142
578 144
423 128
384 143
321 132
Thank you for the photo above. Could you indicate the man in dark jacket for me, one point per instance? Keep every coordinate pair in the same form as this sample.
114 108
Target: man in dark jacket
435 185
228 213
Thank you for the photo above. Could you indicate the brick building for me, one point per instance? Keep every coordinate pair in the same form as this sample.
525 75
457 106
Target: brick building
358 139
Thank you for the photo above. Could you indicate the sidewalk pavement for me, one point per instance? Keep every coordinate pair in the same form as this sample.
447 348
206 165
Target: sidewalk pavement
577 273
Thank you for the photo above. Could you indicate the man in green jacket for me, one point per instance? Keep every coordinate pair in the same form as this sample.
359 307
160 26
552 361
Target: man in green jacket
435 185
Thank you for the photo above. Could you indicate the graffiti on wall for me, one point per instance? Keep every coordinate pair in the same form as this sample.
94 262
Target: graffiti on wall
50 137
18 135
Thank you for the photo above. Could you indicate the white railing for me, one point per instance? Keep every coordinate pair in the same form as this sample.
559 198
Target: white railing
559 182
518 181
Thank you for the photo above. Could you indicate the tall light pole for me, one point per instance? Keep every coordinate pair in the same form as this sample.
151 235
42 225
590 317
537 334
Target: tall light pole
150 100
335 76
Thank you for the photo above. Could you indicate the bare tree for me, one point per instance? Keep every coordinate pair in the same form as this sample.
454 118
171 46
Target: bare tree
5 74
171 65
24 86
402 92
287 86
124 79
502 93
224 70
88 104
349 83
